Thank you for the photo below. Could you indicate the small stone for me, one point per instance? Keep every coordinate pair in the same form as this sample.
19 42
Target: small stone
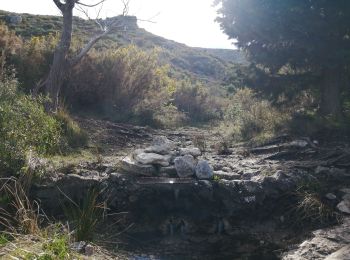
185 166
203 170
226 169
195 152
78 246
330 196
89 250
299 143
344 206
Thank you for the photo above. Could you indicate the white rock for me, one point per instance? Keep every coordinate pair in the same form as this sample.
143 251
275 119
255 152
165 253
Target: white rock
153 158
128 165
194 151
330 196
344 206
299 143
159 149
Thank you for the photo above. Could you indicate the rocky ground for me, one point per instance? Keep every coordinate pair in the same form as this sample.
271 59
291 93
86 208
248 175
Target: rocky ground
190 195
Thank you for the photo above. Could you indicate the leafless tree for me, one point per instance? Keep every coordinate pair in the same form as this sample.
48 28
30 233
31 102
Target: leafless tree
62 64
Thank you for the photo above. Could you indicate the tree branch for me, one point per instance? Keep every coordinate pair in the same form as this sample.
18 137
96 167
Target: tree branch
58 4
93 5
87 47
107 29
126 4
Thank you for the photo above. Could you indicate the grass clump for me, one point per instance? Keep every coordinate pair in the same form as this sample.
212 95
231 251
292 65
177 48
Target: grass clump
84 216
20 214
57 248
309 207
73 135
4 239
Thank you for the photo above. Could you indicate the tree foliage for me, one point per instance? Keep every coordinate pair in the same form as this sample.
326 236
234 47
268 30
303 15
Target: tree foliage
295 37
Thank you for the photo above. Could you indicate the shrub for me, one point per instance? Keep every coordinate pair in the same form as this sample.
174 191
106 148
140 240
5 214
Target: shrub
248 117
24 127
33 62
9 45
196 102
126 84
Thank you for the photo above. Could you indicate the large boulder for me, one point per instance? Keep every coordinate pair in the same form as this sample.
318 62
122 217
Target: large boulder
185 166
204 171
129 165
153 158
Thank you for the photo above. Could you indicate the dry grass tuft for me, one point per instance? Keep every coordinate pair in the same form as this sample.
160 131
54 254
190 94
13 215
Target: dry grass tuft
19 214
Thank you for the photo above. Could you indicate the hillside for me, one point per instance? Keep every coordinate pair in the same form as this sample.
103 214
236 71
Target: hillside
208 65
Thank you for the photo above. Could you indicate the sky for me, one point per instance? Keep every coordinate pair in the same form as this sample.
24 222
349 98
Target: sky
187 21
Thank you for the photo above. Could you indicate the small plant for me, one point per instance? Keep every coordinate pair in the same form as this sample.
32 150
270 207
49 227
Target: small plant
56 248
222 146
216 178
84 216
199 141
4 239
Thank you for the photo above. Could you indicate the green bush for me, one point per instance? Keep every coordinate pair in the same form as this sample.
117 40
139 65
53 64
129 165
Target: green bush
126 84
24 127
248 117
196 102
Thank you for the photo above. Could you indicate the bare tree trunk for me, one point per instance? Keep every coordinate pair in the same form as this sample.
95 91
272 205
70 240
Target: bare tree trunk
330 93
60 65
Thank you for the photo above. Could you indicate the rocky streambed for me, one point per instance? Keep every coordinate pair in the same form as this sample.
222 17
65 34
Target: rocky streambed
174 200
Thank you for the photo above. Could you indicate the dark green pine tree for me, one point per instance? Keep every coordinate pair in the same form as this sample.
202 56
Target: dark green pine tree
307 36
